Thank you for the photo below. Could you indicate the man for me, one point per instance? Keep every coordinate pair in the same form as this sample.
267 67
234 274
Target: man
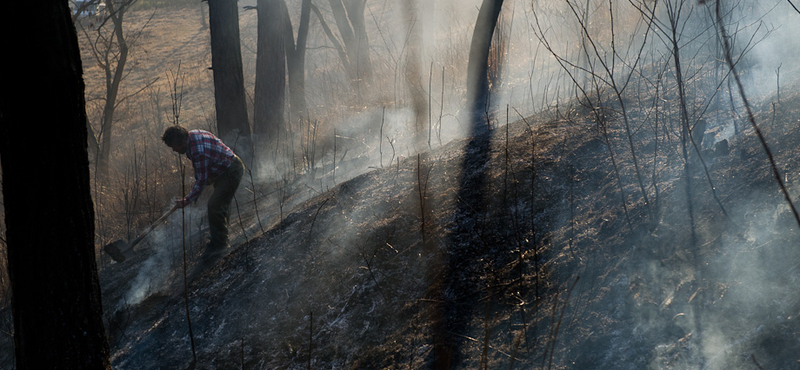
214 163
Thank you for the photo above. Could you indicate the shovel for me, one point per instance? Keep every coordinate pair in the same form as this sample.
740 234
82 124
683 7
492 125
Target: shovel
118 248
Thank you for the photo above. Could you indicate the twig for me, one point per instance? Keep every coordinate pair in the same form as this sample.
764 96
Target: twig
753 357
380 136
487 332
255 203
421 191
558 325
185 278
371 274
430 108
314 220
792 4
334 157
239 216
310 336
441 110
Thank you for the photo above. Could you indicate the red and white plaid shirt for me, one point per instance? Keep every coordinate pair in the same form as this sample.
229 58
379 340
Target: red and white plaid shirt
210 158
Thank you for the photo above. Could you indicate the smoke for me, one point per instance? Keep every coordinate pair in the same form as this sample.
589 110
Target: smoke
153 272
165 242
775 28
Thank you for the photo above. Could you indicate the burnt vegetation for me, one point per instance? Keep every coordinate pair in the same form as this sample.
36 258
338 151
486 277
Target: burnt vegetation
629 205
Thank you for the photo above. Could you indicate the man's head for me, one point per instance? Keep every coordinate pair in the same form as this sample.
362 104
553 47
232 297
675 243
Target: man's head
177 138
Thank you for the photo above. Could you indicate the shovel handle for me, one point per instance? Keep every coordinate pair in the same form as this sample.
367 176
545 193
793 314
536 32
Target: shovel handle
152 226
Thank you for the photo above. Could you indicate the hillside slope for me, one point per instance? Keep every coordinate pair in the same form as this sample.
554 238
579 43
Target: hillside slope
485 252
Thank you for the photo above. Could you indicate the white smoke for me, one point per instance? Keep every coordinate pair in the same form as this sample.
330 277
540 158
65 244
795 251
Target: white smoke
166 241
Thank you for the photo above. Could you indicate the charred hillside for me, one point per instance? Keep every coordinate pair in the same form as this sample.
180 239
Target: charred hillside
511 249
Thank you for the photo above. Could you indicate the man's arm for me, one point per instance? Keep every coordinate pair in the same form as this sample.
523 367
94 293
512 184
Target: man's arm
201 168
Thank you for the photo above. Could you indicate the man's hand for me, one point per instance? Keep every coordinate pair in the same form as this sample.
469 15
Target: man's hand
180 203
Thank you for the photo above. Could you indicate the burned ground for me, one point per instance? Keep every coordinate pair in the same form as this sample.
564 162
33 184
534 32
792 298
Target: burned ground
546 270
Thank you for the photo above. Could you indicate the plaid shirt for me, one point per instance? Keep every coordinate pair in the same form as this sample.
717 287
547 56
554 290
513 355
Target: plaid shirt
210 158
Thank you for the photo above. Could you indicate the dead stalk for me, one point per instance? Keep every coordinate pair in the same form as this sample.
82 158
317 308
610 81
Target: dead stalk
441 110
487 331
368 263
421 191
430 108
255 201
532 202
380 136
176 94
310 337
241 224
555 326
778 82
185 278
753 357
334 157
523 334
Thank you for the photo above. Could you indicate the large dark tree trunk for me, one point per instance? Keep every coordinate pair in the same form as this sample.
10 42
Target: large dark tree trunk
48 208
268 122
477 80
226 61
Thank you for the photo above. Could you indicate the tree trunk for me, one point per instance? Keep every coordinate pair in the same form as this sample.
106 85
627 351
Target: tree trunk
296 58
477 81
48 207
360 52
114 77
226 61
268 122
349 17
413 75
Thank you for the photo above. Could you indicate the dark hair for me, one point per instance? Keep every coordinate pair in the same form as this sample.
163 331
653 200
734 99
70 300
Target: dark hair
175 135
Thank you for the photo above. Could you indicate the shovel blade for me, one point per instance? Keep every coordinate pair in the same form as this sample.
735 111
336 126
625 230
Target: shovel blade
114 249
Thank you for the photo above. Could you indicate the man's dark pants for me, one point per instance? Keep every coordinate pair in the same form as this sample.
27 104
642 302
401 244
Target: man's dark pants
219 205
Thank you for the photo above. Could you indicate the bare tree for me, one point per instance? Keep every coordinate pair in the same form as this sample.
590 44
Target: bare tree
353 48
477 69
226 61
414 73
110 46
296 57
268 120
56 305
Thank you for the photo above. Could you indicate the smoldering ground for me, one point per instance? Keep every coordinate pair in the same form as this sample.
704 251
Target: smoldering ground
167 244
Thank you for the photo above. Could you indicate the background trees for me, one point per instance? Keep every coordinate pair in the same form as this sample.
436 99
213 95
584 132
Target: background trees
110 44
48 207
353 41
226 59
